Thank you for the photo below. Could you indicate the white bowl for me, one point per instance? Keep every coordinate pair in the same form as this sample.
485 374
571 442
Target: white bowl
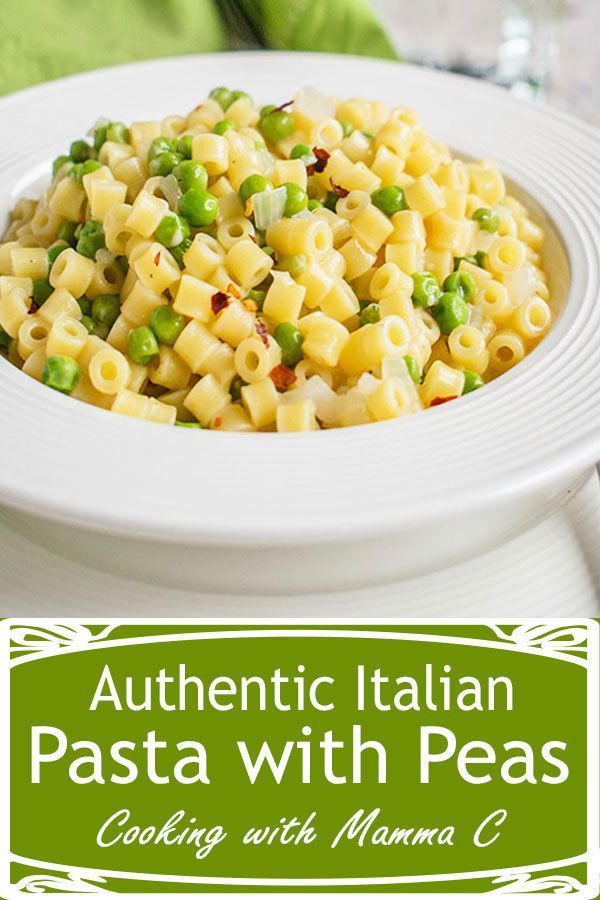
340 508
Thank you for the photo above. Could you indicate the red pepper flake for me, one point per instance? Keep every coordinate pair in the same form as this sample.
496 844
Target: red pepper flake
337 189
282 377
33 308
322 159
252 238
233 290
218 422
437 401
218 302
263 332
157 258
282 106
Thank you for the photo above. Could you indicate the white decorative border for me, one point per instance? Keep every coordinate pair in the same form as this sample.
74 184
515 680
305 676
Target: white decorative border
574 642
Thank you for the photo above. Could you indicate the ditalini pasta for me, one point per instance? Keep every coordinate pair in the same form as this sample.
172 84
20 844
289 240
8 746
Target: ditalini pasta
318 264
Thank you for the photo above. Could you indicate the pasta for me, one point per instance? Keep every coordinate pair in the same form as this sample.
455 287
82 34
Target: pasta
320 264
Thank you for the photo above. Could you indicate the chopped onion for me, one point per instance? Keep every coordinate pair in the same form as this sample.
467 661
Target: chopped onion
366 384
268 207
325 399
521 284
393 366
171 190
98 124
105 257
478 319
313 104
266 161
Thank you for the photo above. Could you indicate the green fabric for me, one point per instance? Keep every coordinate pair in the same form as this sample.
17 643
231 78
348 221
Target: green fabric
45 39
338 26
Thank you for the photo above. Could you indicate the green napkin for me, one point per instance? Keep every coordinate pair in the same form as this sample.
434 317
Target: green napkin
326 26
44 39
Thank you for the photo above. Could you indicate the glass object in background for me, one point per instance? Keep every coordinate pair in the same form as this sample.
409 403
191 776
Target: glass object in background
510 42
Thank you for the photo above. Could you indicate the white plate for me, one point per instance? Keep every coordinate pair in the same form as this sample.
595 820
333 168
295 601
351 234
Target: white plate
551 570
530 430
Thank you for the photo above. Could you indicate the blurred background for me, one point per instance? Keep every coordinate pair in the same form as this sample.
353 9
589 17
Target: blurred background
539 49
543 50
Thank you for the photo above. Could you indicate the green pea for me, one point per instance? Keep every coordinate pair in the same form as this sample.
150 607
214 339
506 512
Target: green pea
164 163
55 251
66 232
61 373
413 369
41 290
5 339
106 309
241 95
303 152
142 345
223 96
459 259
254 184
172 230
277 125
389 199
101 331
90 239
223 126
78 171
267 110
266 248
166 324
88 323
188 424
118 132
369 314
198 207
450 311
314 204
85 305
235 388
296 199
426 290
184 146
290 340
79 151
177 252
99 136
472 382
488 219
191 174
330 201
89 246
161 144
257 296
347 128
294 263
58 163
463 283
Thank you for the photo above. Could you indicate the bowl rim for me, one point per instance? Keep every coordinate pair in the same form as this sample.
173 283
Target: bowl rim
321 508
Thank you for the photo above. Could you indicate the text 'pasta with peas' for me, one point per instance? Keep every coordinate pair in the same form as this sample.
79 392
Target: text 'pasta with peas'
315 264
